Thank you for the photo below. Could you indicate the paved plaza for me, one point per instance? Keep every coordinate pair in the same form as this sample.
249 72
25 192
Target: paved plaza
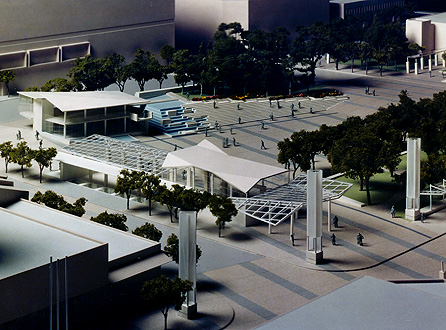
248 277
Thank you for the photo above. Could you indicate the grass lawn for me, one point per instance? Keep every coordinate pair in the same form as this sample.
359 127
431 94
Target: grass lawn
382 188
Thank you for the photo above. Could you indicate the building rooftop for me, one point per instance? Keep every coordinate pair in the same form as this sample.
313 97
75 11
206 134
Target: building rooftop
435 18
73 101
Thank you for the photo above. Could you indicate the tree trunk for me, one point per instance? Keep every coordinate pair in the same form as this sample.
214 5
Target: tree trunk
201 89
366 67
23 175
337 65
41 172
361 184
215 89
219 230
6 166
150 206
165 319
369 200
352 63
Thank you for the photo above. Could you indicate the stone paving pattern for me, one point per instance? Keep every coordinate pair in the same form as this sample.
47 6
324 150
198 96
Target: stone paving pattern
248 276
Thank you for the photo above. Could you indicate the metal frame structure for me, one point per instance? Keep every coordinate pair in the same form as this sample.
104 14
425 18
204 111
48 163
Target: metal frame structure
129 155
276 205
438 189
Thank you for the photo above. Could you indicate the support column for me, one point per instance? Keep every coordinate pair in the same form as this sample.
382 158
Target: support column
328 58
193 177
422 63
212 183
90 175
174 175
408 67
188 177
105 180
416 66
292 228
314 253
188 259
436 59
171 175
329 215
105 121
230 190
444 62
413 179
430 64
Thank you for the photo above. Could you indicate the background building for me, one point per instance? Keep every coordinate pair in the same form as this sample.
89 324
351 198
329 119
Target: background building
344 8
428 31
40 39
197 20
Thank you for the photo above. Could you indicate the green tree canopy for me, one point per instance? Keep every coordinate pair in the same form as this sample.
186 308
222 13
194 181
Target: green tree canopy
164 293
148 231
44 157
6 149
172 249
22 155
114 220
150 188
6 76
128 181
223 209
55 201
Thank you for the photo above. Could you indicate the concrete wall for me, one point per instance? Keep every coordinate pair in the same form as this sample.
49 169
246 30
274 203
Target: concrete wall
28 292
421 32
440 35
108 25
197 20
9 195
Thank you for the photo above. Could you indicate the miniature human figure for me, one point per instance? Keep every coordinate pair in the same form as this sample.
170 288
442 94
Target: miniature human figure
219 128
311 110
359 239
392 211
37 134
365 90
206 131
270 103
184 174
238 106
51 165
373 92
333 239
216 125
430 74
176 147
40 144
19 135
278 104
271 116
298 105
292 239
234 143
239 120
230 130
422 217
263 124
335 221
215 104
292 109
320 63
262 145
187 95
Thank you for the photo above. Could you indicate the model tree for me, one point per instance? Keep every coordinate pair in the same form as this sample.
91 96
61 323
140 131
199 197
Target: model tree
172 249
116 69
6 76
5 151
148 231
143 67
164 293
150 185
57 85
55 201
114 220
222 208
44 157
89 74
170 197
22 155
128 181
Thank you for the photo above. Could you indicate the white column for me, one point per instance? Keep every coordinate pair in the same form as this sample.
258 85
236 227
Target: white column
444 63
212 183
188 259
407 67
328 58
416 66
413 179
329 215
174 175
436 59
314 217
193 177
430 64
422 63
230 190
292 228
188 177
171 175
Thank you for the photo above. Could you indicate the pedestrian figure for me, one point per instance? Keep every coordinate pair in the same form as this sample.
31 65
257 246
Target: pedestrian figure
392 211
373 93
51 165
335 221
359 239
216 125
215 104
298 105
184 174
19 135
430 74
422 217
262 145
234 142
176 147
37 134
263 124
292 109
366 91
187 95
238 106
278 104
206 131
320 63
40 144
219 128
270 103
230 130
271 116
292 239
311 110
239 120
333 239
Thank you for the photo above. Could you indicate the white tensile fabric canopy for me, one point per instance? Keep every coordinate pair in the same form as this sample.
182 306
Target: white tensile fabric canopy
240 173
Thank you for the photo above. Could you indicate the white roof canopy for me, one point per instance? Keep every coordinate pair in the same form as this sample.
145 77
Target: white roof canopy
240 173
72 101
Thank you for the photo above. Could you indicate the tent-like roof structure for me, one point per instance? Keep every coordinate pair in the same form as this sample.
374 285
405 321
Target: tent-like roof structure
240 173
276 205
73 101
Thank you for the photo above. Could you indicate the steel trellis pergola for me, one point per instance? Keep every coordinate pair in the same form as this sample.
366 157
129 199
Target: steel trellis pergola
129 155
276 205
